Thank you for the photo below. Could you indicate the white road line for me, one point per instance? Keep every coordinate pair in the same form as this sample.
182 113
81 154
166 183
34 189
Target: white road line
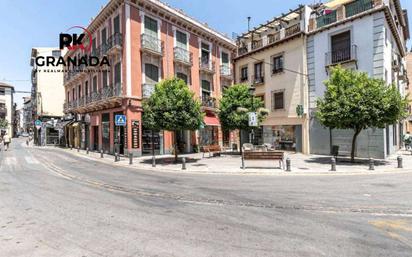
31 160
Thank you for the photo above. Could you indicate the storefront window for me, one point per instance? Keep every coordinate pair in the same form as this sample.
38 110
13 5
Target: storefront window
150 136
209 135
282 137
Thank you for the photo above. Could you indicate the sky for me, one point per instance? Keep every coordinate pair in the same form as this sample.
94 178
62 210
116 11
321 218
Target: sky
34 23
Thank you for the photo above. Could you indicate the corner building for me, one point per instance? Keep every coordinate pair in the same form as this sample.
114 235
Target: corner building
146 41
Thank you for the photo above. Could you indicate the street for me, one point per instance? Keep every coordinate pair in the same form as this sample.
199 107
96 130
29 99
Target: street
56 204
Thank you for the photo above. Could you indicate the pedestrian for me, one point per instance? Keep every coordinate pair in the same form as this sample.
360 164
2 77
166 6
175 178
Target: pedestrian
6 140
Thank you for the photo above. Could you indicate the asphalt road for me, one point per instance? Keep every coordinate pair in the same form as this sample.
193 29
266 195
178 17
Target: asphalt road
55 204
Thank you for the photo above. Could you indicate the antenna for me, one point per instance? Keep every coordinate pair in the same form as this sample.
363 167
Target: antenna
248 23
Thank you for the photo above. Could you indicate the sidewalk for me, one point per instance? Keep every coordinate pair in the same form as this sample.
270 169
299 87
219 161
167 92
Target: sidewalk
231 164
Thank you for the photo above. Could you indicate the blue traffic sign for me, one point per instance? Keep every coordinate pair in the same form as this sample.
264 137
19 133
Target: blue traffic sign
37 123
120 120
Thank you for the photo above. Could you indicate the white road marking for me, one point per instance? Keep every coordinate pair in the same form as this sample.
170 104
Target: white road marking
31 160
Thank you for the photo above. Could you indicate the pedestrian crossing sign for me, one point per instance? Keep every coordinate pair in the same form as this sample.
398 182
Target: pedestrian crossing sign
120 120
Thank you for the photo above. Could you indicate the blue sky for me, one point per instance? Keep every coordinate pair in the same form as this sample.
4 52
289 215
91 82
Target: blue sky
30 23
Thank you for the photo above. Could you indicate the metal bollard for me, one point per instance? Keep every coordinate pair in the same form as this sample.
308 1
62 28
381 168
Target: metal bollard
101 153
371 164
288 164
87 150
116 157
153 161
183 163
333 164
400 164
130 158
71 147
78 149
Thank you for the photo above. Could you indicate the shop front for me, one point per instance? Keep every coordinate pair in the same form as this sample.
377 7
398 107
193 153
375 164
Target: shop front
281 137
209 133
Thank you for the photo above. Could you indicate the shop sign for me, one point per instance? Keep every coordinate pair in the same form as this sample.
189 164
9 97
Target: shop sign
253 122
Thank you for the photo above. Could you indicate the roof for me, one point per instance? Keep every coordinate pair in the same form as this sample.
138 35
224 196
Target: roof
2 84
283 18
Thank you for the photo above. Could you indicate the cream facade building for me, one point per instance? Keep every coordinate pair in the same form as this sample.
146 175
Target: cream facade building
6 107
47 94
272 58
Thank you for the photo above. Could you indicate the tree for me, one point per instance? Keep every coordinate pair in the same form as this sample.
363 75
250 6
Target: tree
172 107
4 123
352 100
234 106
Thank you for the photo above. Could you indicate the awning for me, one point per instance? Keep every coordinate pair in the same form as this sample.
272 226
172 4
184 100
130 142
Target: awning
62 124
75 124
211 121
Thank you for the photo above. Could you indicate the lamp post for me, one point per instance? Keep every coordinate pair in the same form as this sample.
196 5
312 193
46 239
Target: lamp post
252 90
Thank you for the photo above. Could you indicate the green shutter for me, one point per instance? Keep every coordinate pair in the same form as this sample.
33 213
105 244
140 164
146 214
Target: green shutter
181 39
150 26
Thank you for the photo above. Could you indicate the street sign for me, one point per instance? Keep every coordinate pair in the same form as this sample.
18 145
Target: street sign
253 122
37 123
120 120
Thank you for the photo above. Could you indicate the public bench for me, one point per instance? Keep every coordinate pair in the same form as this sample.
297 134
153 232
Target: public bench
211 149
263 155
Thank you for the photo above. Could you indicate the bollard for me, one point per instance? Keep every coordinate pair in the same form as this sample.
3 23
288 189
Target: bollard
333 164
101 153
153 161
130 158
116 156
400 164
183 163
288 164
371 164
71 147
78 149
87 150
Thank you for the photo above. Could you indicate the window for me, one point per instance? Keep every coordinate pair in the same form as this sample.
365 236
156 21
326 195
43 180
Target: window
258 72
2 91
117 73
116 24
86 88
104 36
182 76
152 73
278 100
104 74
56 53
206 89
73 94
79 91
225 58
205 52
243 74
277 64
94 45
181 39
341 50
150 26
95 84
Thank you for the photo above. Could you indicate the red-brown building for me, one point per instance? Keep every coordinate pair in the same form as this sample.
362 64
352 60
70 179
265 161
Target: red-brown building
145 41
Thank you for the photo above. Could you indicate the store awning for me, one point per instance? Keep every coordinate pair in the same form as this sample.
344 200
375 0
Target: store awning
75 124
62 124
211 121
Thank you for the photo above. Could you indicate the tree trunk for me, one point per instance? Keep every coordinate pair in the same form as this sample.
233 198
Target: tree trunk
240 141
352 153
175 132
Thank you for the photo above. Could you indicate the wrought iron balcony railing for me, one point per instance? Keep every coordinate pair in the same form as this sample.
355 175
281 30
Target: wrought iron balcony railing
326 19
208 101
358 6
183 55
147 90
152 44
225 70
206 64
341 55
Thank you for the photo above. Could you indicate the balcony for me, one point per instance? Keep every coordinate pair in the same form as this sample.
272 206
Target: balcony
258 80
257 44
208 102
206 64
152 44
274 38
358 6
326 19
183 56
114 44
344 55
242 50
147 90
226 71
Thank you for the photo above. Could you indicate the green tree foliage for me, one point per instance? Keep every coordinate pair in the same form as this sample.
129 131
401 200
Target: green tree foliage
4 123
352 100
172 107
234 106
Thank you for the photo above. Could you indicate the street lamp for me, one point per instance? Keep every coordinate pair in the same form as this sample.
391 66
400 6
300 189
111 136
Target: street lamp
252 90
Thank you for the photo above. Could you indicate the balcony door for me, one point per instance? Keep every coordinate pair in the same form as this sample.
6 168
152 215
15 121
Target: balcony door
104 36
116 25
117 78
181 40
205 53
150 26
151 74
341 47
206 91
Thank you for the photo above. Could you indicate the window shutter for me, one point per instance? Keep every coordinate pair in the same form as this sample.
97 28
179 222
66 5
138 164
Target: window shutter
272 94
